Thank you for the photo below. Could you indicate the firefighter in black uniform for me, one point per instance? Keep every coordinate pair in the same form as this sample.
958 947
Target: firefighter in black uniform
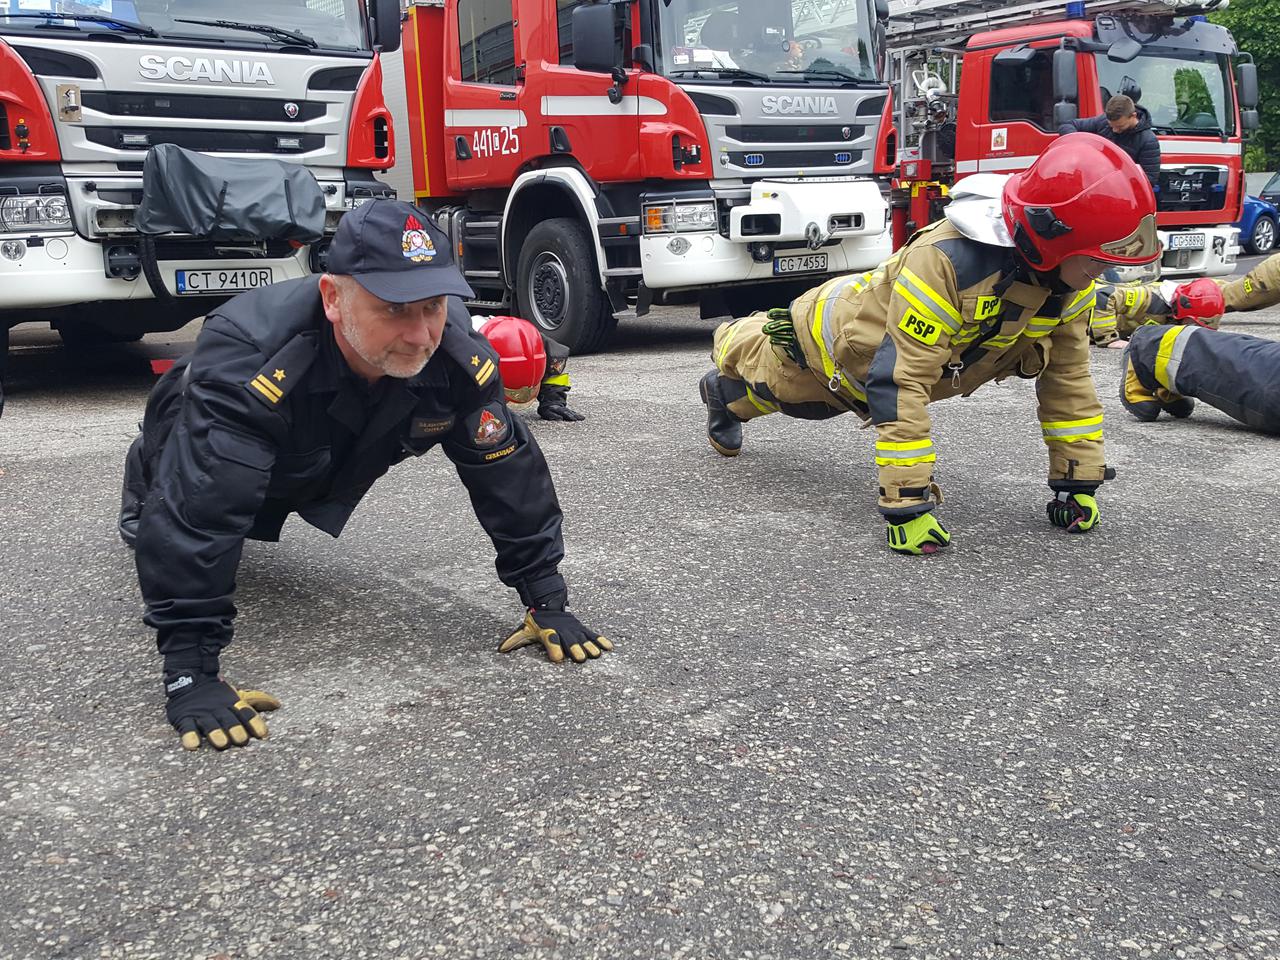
297 398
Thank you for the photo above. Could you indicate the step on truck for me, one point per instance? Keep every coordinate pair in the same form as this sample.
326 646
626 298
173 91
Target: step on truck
590 159
88 90
983 86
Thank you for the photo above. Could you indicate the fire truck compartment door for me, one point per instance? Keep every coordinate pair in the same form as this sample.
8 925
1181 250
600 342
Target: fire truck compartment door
228 199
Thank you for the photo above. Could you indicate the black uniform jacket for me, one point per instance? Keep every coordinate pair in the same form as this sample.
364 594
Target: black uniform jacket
269 419
1140 143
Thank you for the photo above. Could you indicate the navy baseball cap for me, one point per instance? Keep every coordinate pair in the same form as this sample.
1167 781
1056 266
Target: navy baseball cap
395 252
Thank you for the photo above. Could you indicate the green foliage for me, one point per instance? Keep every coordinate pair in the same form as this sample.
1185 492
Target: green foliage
1254 25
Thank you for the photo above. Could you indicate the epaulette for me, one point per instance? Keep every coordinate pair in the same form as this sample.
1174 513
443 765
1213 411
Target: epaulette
471 351
283 371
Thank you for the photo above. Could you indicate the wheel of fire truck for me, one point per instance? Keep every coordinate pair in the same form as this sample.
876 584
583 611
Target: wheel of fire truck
558 287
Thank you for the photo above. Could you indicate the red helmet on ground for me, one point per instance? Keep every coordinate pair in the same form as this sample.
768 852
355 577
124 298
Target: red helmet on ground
1199 301
1083 196
522 359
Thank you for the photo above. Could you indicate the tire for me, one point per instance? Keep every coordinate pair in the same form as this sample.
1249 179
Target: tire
1263 238
558 288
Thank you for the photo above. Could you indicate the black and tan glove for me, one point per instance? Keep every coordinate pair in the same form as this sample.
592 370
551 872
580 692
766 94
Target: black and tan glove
203 706
553 404
548 622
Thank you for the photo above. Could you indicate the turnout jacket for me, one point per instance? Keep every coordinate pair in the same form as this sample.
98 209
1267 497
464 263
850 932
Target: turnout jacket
266 418
941 317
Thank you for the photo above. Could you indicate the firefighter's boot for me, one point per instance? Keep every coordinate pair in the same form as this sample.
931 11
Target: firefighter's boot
724 430
133 493
1137 399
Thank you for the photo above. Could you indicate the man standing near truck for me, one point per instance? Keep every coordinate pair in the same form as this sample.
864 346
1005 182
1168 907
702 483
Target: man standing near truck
1128 126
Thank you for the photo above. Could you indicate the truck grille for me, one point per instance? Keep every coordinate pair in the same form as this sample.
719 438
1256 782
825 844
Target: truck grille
194 107
1189 190
818 133
205 141
791 159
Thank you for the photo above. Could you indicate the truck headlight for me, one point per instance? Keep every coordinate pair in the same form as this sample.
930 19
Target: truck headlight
26 214
671 217
695 217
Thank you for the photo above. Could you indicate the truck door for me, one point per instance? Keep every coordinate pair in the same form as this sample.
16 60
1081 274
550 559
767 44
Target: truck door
1017 122
576 115
485 126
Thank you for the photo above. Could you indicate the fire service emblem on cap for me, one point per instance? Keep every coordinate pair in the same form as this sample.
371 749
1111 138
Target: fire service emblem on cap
417 246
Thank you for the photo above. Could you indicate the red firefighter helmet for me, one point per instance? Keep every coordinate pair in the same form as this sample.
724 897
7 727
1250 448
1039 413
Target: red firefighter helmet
1199 301
1083 196
522 359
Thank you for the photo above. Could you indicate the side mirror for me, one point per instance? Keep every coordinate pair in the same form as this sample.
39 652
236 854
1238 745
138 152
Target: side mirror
1247 82
597 42
1064 113
882 10
1123 51
1249 120
1066 85
386 24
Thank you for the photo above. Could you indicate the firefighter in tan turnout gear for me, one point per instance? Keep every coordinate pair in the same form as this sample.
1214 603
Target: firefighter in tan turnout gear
1128 308
1003 287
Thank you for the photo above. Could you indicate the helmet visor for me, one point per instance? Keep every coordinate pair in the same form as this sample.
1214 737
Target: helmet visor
1141 246
522 394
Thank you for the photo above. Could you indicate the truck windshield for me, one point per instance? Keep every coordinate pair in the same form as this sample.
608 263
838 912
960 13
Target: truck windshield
1185 91
336 24
775 41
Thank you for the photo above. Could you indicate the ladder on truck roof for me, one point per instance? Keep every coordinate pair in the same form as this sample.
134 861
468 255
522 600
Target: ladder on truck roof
948 22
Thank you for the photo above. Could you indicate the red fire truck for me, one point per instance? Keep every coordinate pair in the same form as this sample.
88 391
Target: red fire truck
89 87
988 102
592 157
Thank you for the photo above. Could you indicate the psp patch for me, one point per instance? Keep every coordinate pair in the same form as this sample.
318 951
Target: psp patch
987 308
918 328
491 430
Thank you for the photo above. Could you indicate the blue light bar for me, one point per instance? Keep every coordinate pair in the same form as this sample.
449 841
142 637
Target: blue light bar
1075 10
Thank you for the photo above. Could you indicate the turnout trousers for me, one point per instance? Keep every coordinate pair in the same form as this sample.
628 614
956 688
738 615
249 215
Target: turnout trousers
1236 373
757 377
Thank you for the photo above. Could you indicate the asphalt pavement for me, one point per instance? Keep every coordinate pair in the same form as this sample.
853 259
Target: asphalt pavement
1034 745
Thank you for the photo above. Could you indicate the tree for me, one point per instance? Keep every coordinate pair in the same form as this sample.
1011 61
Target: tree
1253 23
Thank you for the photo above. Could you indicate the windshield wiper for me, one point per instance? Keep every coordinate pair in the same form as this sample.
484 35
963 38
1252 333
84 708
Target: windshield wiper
127 25
736 72
279 33
831 72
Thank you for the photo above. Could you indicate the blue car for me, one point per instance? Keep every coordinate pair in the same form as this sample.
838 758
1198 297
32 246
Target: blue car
1258 226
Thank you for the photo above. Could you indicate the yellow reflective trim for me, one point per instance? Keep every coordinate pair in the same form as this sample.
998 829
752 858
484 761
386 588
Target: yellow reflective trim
728 341
941 302
1065 424
904 444
916 302
889 462
1165 354
486 371
761 404
559 380
828 364
1075 438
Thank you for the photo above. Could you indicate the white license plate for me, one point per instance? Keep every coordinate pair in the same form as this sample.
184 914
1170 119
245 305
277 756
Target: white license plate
1186 241
198 282
809 263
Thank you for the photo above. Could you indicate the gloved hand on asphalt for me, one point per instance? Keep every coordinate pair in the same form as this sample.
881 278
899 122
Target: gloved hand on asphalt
919 535
552 405
204 706
1074 512
560 633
